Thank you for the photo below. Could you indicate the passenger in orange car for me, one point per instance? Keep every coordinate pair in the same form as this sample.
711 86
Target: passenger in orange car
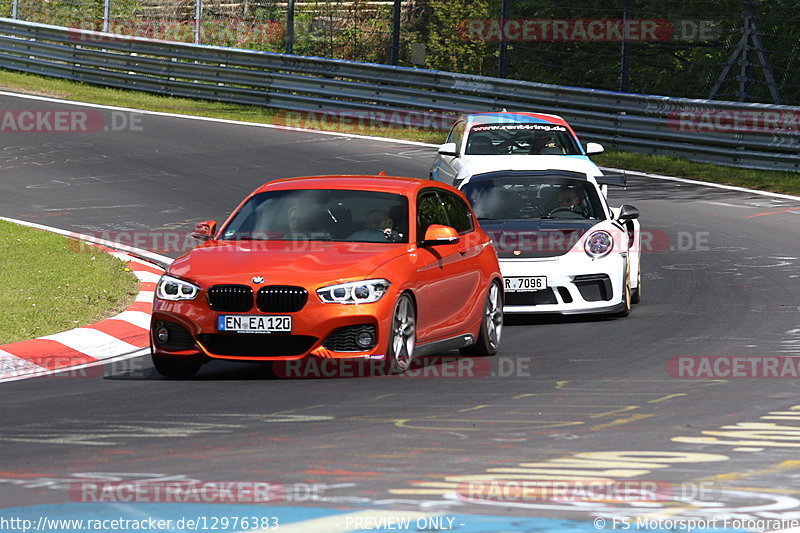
304 224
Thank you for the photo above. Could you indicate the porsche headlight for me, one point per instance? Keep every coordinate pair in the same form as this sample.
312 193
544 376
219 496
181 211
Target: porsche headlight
355 292
598 244
174 289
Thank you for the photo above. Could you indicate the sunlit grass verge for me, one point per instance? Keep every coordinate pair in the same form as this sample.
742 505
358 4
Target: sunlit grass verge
49 283
768 180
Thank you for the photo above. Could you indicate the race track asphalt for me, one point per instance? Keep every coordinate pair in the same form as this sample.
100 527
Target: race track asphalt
721 279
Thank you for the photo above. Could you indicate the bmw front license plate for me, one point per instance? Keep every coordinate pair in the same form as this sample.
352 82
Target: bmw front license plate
254 323
530 284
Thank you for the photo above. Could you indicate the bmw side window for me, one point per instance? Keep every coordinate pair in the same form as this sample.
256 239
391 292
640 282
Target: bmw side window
458 213
457 134
430 210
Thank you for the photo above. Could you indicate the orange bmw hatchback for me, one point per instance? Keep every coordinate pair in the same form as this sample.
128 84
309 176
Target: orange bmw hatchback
339 267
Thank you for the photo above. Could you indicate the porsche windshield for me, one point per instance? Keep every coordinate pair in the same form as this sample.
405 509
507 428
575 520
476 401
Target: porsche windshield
321 215
521 139
523 197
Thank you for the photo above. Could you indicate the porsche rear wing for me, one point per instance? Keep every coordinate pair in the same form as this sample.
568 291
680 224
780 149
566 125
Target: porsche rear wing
615 179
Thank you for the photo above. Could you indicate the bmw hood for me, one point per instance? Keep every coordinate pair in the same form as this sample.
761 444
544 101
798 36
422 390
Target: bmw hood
535 238
479 164
299 263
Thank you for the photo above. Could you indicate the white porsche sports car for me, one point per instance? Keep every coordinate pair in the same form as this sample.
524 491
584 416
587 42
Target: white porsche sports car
481 142
562 249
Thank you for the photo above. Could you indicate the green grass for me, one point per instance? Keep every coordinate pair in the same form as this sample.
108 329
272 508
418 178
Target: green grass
768 180
51 284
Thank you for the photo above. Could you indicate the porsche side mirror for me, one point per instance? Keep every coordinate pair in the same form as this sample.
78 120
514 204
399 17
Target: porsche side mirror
594 148
448 149
204 231
627 212
436 235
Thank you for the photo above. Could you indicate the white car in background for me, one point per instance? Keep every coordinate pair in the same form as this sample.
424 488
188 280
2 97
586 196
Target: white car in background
562 248
482 142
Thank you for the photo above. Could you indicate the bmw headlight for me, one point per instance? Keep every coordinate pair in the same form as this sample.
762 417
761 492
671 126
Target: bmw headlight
598 244
355 292
174 289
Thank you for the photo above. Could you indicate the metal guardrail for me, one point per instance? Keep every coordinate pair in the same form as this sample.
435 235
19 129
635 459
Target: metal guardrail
730 133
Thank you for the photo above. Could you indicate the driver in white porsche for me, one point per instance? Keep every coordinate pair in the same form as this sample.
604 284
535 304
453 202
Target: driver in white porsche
568 200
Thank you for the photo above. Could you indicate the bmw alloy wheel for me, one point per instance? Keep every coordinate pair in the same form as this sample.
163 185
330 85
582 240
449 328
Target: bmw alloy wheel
493 316
404 334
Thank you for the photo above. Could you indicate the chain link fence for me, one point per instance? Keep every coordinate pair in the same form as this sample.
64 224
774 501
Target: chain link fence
741 50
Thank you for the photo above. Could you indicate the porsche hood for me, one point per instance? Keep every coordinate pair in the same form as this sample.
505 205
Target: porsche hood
535 238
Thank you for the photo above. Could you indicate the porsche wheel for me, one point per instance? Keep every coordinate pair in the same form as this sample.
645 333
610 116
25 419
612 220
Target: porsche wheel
403 336
491 324
626 299
636 294
175 369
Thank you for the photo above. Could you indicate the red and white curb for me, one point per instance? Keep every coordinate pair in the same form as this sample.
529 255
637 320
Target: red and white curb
122 336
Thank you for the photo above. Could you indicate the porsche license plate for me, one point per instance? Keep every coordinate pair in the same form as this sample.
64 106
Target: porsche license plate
528 284
254 323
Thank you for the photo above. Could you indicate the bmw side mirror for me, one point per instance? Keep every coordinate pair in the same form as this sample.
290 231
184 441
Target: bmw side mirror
436 235
627 212
448 149
594 148
204 231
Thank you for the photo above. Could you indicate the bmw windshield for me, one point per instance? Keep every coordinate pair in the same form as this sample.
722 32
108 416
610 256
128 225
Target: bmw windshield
521 139
321 215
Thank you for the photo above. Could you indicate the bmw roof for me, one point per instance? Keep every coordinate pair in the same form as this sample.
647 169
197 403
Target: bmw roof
514 117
